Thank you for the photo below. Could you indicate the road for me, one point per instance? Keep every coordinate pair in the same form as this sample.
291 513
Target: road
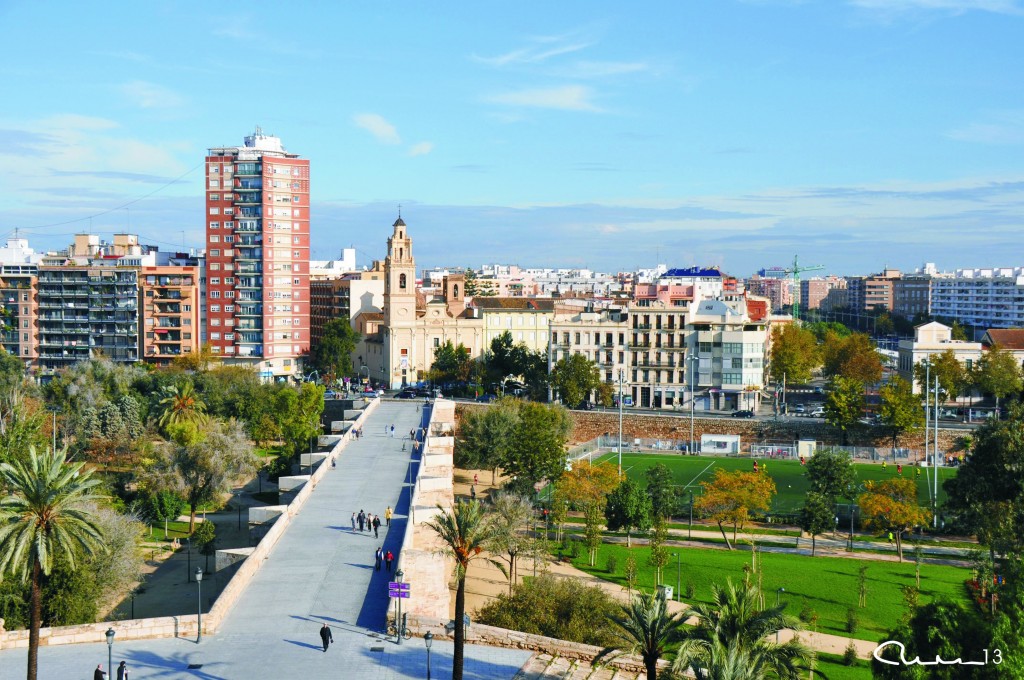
320 571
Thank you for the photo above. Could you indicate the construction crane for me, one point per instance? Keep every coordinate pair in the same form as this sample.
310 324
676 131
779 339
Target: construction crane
796 271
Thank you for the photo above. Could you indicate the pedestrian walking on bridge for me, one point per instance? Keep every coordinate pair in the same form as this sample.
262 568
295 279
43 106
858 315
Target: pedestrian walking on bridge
378 557
326 636
387 515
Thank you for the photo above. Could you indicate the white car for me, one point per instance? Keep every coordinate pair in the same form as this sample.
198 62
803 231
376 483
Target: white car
818 413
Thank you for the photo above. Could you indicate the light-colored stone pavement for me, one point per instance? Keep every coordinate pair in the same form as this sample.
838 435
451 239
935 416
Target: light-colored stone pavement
319 572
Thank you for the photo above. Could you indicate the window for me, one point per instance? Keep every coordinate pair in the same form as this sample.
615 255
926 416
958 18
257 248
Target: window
214 238
214 308
214 253
229 336
401 281
229 294
229 238
214 294
214 225
229 280
437 342
215 266
214 322
215 336
215 281
214 211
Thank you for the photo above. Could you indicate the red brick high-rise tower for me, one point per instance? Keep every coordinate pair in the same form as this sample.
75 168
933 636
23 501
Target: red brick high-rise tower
257 255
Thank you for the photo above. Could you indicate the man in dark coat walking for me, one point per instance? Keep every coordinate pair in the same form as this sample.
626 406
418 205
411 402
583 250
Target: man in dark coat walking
361 518
376 526
326 636
378 556
99 673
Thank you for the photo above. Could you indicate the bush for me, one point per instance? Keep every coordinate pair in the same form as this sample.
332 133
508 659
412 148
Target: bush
852 620
574 549
690 590
611 564
808 615
850 655
561 608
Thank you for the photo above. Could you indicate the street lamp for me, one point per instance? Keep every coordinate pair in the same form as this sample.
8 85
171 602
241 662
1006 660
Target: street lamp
622 376
238 502
110 651
778 593
428 639
689 533
694 361
199 582
677 556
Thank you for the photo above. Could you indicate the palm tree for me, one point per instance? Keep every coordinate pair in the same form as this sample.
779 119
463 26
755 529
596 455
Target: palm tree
47 516
647 630
181 405
734 639
465 534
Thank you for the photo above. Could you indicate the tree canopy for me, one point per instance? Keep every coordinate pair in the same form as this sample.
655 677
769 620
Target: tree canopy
853 356
891 505
629 508
729 498
332 355
831 474
952 375
844 405
817 516
998 373
901 409
794 354
451 362
575 377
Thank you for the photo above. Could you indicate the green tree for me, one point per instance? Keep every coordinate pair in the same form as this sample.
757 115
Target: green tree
537 450
205 538
853 356
998 373
958 332
22 423
629 508
831 474
509 519
822 328
661 488
199 466
735 638
298 409
646 629
951 373
500 362
985 495
901 409
940 628
474 286
12 371
181 404
451 362
794 354
47 517
485 437
817 516
575 377
656 543
164 506
464 534
332 355
844 404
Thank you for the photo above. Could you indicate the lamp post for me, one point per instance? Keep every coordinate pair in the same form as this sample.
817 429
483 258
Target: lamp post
678 582
399 575
778 594
689 533
694 360
238 502
428 639
618 446
188 553
199 583
935 453
110 651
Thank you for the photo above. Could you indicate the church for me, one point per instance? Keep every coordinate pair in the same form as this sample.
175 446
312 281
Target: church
398 343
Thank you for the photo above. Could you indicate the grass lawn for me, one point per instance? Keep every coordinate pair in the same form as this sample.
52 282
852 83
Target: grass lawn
833 667
174 530
829 586
790 478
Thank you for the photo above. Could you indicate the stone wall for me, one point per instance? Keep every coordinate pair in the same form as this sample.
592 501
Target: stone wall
187 626
592 424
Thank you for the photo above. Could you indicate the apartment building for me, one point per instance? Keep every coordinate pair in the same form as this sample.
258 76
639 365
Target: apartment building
345 298
257 245
825 293
983 298
602 336
779 292
18 293
867 293
87 311
169 298
912 295
528 320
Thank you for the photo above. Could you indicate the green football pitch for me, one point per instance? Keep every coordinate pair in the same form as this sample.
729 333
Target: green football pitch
790 476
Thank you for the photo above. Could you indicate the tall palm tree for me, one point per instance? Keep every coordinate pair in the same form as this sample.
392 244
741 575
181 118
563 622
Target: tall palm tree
734 639
646 629
465 534
180 405
48 515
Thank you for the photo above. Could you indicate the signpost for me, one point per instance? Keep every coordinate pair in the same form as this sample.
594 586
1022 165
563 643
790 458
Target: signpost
399 590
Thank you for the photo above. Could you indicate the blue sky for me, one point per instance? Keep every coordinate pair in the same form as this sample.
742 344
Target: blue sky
609 135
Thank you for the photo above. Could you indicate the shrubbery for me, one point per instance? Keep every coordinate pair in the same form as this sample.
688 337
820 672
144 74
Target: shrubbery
555 607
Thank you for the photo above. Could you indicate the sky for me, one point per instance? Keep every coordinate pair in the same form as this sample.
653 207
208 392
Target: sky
855 134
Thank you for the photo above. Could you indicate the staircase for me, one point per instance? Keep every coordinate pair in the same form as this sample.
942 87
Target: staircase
543 666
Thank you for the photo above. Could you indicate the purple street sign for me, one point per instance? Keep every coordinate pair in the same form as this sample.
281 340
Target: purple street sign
398 593
397 585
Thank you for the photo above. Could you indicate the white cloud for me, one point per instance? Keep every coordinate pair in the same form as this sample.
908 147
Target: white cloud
532 54
566 98
377 126
1005 127
603 69
151 96
953 6
421 149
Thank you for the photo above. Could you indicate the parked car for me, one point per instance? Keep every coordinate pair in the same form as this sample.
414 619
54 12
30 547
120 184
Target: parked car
818 413
331 394
406 394
799 408
486 398
746 413
586 406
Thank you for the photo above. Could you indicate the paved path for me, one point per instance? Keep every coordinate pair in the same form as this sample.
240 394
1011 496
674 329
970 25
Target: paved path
320 571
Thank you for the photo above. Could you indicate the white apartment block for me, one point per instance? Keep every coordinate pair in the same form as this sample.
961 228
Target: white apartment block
983 298
931 339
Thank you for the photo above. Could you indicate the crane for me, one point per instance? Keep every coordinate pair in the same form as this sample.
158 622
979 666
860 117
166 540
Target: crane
796 270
